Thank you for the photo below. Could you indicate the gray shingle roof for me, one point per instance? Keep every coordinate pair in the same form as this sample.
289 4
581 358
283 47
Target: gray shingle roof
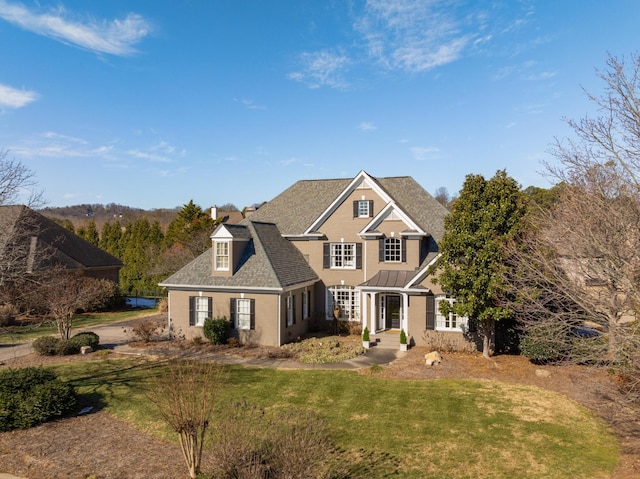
268 261
63 247
296 208
390 279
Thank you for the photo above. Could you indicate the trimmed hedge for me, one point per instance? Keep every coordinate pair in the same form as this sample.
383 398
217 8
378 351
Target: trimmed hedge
31 396
87 338
54 346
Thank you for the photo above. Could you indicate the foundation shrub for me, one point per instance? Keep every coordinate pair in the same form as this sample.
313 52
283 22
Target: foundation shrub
216 330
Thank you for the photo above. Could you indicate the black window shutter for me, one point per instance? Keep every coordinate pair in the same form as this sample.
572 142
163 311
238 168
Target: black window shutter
192 310
326 255
370 208
358 255
355 209
210 307
381 250
431 312
404 250
252 310
232 312
293 307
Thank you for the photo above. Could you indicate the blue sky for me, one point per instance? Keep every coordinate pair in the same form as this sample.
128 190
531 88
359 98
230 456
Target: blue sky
152 103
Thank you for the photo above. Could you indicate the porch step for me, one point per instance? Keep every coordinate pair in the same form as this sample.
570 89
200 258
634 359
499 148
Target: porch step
386 339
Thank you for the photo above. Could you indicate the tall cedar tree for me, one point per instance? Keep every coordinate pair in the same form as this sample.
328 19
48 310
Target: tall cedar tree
483 219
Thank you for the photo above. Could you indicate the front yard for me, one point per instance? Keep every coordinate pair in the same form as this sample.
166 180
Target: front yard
384 426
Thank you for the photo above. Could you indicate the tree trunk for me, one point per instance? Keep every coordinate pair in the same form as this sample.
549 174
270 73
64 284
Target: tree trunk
486 329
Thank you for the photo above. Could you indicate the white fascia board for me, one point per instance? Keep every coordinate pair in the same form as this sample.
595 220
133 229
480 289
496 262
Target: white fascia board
362 176
213 289
379 218
423 271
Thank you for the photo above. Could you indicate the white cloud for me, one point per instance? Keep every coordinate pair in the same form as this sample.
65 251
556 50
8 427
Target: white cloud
14 98
422 153
322 68
289 161
54 145
114 37
251 105
367 126
413 35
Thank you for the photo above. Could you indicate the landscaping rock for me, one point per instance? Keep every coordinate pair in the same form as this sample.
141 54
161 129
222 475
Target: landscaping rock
86 349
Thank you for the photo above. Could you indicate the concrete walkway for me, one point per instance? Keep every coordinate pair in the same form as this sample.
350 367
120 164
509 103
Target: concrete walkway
116 336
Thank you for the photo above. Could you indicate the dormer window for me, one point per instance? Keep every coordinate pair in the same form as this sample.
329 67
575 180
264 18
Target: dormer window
222 255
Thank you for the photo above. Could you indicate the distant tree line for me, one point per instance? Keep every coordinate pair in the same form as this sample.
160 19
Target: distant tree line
148 251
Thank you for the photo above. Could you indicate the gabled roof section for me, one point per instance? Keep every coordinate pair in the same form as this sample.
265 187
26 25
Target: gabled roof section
55 244
303 207
391 211
269 262
362 179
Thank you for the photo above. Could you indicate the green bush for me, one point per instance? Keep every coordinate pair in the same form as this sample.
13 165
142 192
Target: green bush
87 338
403 337
31 396
217 330
52 346
546 344
365 334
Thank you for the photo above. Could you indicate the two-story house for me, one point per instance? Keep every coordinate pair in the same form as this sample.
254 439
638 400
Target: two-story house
361 246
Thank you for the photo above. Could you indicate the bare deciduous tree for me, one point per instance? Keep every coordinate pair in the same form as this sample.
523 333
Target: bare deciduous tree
184 392
17 180
63 293
580 260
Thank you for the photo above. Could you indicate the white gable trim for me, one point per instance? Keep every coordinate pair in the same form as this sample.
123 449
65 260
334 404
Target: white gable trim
422 273
361 178
391 208
221 232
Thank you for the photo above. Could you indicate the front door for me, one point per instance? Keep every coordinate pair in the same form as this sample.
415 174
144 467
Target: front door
392 312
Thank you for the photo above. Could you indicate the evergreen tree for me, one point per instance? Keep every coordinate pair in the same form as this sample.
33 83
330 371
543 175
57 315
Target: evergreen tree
483 219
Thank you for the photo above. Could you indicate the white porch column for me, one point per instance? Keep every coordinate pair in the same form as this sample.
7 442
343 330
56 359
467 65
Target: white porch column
363 308
405 312
374 313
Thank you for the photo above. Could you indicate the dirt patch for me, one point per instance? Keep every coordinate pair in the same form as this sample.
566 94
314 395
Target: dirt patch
109 448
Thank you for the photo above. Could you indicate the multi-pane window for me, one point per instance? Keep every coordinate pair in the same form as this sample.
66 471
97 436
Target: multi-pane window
243 314
291 310
343 255
393 250
201 310
222 255
347 298
450 321
363 208
306 312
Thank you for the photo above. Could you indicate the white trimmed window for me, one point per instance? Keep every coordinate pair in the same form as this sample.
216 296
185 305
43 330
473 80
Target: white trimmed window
363 209
201 311
451 321
222 255
347 298
343 255
291 310
243 314
392 250
306 311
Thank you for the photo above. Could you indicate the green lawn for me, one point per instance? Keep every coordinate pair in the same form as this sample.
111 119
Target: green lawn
412 429
19 334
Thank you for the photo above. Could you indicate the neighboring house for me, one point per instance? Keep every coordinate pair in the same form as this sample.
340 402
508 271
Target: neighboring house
32 243
361 246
